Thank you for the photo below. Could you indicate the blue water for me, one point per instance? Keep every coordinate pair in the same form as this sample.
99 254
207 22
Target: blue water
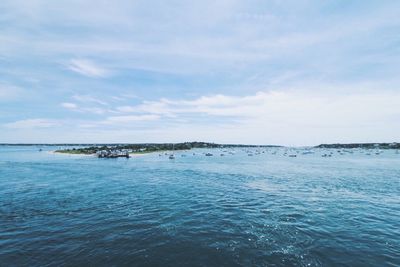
236 210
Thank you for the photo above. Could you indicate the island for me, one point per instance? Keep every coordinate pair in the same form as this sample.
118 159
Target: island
123 150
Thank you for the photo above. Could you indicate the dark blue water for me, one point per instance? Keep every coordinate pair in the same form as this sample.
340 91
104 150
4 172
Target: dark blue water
236 210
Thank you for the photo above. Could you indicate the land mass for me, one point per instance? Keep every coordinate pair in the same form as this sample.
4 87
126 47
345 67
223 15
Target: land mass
362 145
123 150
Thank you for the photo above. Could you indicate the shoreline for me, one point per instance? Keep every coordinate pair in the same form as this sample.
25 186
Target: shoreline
54 152
132 155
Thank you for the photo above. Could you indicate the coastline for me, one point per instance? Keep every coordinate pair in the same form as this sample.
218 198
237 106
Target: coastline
132 155
54 152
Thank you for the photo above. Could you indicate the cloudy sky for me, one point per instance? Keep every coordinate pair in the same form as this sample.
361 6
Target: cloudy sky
297 72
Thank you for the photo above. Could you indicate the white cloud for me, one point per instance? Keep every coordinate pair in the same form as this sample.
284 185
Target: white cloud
87 68
264 117
10 92
93 110
225 50
88 104
89 99
69 105
126 109
161 107
292 118
130 118
32 123
300 109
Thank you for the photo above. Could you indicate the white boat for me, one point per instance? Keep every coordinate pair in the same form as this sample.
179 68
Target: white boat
171 156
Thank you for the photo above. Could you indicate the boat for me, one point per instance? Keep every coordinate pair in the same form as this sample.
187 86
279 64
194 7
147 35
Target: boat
112 154
209 154
171 156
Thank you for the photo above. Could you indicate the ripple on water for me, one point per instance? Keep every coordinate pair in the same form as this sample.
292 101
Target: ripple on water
196 211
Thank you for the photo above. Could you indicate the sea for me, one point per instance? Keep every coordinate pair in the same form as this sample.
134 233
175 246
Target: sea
247 207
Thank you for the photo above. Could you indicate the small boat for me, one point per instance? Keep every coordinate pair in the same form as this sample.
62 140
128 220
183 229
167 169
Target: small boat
208 154
292 155
171 156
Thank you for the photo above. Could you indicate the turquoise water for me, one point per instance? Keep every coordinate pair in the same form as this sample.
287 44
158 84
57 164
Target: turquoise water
235 210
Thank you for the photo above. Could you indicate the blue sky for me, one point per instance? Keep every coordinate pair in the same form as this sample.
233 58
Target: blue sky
266 72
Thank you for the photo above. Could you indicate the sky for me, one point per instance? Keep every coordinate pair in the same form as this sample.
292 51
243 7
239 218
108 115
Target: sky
294 72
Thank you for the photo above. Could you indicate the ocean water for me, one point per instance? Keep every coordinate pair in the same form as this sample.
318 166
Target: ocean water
232 210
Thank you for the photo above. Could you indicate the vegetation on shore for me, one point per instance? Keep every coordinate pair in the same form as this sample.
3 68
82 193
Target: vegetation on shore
89 149
148 148
362 145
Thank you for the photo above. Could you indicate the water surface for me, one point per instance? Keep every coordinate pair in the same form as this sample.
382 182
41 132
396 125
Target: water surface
235 210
